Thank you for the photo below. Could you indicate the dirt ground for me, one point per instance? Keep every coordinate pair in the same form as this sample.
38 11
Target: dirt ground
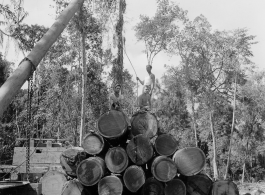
251 187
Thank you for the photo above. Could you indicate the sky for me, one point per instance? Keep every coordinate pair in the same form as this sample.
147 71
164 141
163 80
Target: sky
222 15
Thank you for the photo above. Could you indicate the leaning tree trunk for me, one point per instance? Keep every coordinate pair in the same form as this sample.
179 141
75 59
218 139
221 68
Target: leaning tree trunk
215 170
12 85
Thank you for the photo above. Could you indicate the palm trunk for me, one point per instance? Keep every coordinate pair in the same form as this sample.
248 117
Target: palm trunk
232 130
84 80
215 170
12 85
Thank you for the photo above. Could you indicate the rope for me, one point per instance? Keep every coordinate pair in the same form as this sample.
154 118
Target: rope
133 70
128 59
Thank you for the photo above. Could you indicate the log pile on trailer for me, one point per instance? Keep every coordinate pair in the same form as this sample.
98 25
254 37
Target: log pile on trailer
116 161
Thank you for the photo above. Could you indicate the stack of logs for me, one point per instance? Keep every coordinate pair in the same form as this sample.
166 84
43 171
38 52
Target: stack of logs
109 163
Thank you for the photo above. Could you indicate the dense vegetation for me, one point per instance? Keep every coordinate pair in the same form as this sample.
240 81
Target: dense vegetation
212 98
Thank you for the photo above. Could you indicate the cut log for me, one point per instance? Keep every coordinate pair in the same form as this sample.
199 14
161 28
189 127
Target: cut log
52 183
70 159
134 178
190 161
116 159
74 187
152 187
140 150
224 188
166 145
93 143
198 185
175 186
163 168
110 185
112 125
144 123
90 171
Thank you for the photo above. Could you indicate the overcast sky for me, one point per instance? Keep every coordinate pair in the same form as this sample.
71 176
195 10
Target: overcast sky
222 15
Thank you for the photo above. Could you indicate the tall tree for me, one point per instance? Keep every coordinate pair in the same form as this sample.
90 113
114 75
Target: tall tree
172 108
13 14
206 57
118 65
158 31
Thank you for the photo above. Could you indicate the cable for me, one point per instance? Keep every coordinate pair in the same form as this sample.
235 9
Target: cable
133 70
130 62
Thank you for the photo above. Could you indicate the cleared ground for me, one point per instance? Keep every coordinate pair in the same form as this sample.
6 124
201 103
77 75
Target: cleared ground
251 187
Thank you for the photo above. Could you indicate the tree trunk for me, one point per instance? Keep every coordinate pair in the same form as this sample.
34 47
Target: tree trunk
194 121
84 80
215 170
119 28
232 130
243 174
10 88
244 165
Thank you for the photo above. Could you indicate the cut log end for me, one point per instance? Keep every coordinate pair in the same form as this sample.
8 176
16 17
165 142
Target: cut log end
198 184
52 182
112 124
140 149
90 171
224 188
116 160
190 161
152 187
110 185
175 186
166 144
74 187
144 123
93 143
70 159
134 178
164 169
